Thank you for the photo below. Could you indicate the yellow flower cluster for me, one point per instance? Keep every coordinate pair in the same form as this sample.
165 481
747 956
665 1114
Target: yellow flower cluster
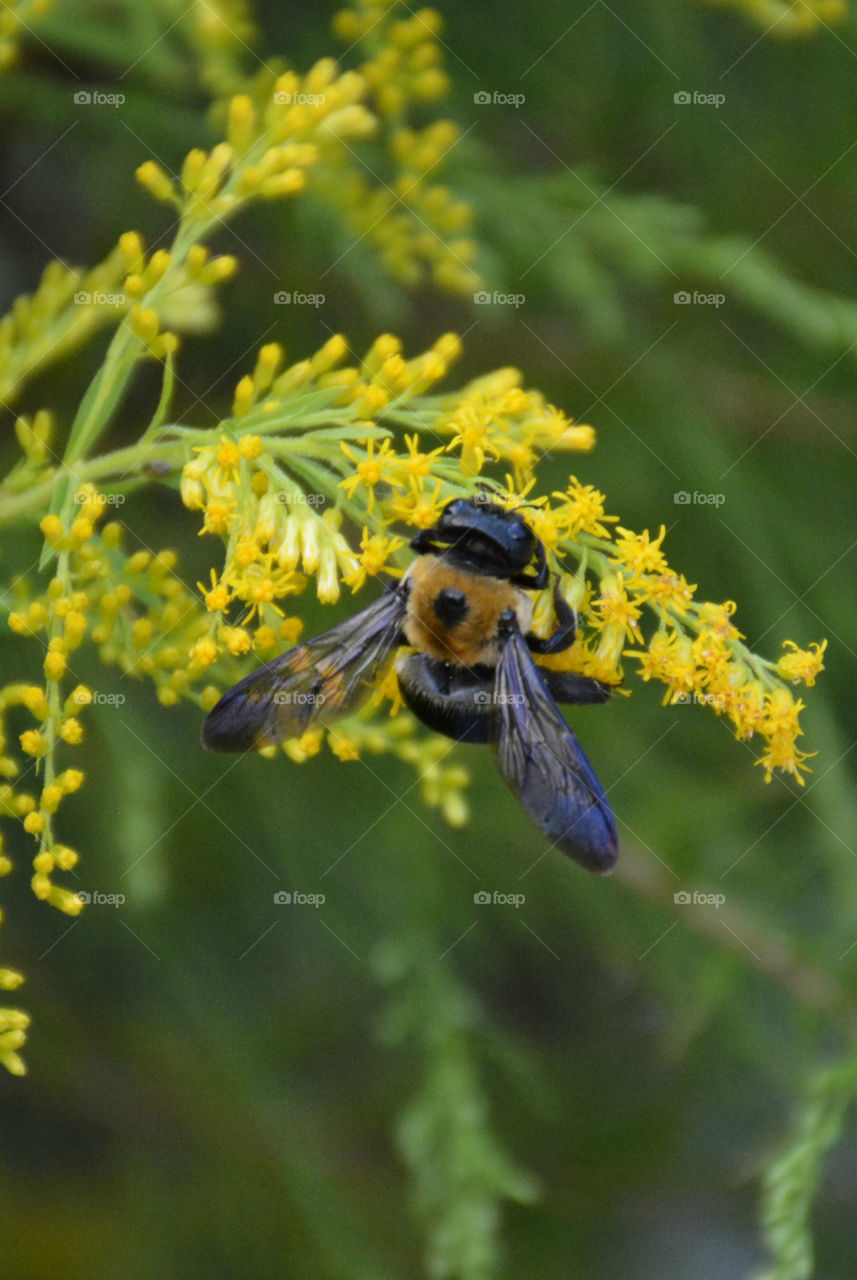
223 31
417 225
273 137
269 483
695 650
13 1028
288 133
143 620
406 62
269 486
785 18
56 319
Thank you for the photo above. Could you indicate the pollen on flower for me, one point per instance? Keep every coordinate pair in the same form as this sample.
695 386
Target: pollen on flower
228 456
219 514
370 470
640 553
237 640
217 597
582 510
615 610
667 591
33 742
71 731
204 652
801 665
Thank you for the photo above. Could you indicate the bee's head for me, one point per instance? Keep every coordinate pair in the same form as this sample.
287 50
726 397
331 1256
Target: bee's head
487 539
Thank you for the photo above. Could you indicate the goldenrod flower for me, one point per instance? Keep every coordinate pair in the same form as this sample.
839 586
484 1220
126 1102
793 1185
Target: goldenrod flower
375 553
802 664
371 470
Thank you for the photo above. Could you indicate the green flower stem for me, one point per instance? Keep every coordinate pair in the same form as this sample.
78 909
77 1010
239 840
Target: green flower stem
120 462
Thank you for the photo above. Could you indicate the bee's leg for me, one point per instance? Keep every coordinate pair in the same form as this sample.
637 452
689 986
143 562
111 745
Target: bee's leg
424 544
563 637
573 688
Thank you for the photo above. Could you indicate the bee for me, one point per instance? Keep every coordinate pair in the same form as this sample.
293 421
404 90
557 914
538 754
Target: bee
463 607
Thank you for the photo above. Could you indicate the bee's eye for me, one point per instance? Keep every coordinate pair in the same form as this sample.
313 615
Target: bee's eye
451 605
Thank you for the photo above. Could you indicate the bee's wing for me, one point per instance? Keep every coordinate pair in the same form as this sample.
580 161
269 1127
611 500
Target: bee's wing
541 760
325 677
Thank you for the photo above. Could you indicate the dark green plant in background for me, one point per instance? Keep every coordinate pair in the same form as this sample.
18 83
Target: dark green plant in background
264 985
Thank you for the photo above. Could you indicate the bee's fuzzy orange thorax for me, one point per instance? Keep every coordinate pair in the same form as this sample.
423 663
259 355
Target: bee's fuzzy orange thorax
472 640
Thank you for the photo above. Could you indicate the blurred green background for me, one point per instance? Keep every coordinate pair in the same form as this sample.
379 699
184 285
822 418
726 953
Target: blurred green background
216 1083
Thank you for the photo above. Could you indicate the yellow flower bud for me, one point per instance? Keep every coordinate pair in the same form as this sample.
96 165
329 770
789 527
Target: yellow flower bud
41 886
151 176
71 731
192 168
132 249
51 527
245 394
54 666
65 858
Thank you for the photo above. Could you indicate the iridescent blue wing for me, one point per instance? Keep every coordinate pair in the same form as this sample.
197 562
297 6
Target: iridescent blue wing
542 762
318 681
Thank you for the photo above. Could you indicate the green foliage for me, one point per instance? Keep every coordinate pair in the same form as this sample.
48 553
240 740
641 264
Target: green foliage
791 1180
206 1094
461 1174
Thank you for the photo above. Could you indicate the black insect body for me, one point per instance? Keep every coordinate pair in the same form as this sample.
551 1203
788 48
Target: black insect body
463 606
